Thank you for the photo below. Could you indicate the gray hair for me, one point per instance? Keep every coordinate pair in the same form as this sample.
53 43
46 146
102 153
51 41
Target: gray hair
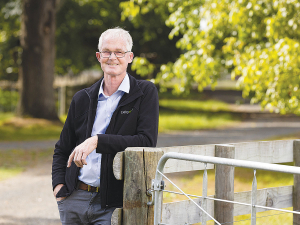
116 32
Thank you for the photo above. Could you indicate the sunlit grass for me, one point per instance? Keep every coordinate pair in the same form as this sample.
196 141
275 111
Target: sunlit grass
23 129
193 121
5 116
177 114
192 105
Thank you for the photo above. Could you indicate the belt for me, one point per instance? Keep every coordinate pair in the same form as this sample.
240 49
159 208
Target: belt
86 187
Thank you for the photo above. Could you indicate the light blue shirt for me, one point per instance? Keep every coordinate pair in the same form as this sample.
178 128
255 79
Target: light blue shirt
90 173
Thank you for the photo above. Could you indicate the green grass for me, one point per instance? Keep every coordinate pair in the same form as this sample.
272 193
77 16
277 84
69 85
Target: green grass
193 121
19 129
192 105
187 114
13 162
5 116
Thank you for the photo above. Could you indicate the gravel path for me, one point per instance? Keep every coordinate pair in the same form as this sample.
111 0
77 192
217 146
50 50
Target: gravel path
27 199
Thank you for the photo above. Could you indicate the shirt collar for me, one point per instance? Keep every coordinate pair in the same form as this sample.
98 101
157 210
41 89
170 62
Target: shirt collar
124 86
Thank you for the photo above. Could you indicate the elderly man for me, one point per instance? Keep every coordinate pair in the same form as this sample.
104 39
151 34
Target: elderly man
116 112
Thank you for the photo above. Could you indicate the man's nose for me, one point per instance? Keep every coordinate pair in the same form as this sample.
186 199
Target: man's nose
112 55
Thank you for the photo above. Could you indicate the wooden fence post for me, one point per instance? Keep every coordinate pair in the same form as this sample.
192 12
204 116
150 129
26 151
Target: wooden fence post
296 188
224 185
140 167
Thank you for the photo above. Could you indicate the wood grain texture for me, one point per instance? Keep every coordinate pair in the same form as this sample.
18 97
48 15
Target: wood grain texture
118 166
265 151
116 217
140 167
224 185
296 193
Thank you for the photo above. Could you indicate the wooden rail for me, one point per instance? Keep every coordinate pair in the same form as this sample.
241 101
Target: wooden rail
137 167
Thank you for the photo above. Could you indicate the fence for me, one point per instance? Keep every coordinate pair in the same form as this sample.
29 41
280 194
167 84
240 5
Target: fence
137 166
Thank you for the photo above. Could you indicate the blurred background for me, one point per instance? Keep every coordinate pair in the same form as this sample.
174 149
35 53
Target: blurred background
226 71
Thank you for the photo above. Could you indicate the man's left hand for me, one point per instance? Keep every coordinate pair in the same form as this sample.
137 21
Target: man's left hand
82 151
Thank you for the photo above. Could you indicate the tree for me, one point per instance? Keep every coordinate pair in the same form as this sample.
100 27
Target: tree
78 26
256 41
37 70
80 23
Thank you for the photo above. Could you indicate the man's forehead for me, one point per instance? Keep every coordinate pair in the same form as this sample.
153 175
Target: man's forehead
114 40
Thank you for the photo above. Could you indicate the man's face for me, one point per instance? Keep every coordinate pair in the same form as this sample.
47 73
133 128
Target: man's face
114 66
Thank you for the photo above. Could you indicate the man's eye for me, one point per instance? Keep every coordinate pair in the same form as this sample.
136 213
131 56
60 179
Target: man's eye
119 52
106 52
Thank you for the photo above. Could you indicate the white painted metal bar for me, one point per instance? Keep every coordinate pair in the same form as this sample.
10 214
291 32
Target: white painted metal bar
204 194
228 162
234 202
213 160
253 202
188 198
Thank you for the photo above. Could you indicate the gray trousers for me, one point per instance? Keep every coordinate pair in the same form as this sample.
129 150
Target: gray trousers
83 208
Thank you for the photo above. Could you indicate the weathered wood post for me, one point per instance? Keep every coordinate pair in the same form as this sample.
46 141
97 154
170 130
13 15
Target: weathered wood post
140 167
296 188
224 185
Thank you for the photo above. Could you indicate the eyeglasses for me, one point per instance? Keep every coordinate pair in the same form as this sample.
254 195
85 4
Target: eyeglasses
107 54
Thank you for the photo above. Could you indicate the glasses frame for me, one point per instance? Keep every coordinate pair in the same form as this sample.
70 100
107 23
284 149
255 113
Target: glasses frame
114 53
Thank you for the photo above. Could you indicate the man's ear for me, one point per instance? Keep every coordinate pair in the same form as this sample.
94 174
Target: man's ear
98 56
131 57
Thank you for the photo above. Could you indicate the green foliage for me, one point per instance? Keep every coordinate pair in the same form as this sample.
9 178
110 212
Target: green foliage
8 100
79 24
153 47
10 50
143 67
256 41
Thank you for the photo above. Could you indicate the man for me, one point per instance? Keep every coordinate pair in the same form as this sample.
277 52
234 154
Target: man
115 113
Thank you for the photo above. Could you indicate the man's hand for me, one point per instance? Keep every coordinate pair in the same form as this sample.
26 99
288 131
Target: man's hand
56 190
82 151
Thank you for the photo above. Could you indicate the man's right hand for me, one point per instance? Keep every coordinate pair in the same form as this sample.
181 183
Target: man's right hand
56 190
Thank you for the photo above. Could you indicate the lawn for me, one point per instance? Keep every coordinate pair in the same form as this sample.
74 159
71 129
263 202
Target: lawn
24 129
185 114
13 162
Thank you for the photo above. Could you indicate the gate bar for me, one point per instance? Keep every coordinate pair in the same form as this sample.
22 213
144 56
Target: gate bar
213 160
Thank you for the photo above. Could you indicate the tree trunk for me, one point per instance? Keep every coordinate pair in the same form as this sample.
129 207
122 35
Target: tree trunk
37 70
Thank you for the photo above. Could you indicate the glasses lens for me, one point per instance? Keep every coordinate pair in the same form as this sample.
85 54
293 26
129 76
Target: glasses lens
119 54
105 54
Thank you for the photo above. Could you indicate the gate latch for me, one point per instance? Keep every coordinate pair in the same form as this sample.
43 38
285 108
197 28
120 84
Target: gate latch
158 185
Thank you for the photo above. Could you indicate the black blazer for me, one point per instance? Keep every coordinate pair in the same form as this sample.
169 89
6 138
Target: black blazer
133 124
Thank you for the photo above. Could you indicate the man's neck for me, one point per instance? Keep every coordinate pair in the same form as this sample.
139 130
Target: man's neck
111 84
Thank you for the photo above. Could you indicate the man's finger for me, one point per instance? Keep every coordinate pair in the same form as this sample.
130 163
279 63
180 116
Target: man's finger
71 157
78 159
83 159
